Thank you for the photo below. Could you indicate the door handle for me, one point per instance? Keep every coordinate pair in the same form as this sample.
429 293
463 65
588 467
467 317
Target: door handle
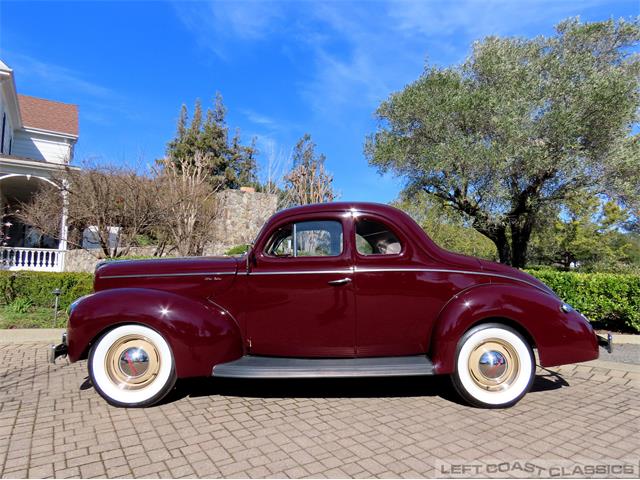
342 281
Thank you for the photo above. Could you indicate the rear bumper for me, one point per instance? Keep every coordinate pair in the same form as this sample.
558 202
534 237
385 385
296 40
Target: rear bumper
606 342
59 350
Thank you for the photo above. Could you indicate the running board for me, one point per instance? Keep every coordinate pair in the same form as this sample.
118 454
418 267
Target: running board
251 366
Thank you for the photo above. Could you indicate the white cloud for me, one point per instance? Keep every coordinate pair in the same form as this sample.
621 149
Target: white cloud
475 19
57 76
260 119
362 51
215 23
98 104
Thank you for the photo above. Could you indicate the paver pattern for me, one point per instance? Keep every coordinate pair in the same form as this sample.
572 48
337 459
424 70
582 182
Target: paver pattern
52 423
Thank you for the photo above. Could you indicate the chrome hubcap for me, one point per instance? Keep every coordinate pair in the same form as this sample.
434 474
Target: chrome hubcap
494 365
132 362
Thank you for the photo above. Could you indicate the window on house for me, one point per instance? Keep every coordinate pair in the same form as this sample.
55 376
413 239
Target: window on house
375 238
307 239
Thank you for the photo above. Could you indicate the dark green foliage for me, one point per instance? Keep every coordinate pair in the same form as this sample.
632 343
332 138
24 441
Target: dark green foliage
20 305
590 234
37 287
237 250
230 163
610 300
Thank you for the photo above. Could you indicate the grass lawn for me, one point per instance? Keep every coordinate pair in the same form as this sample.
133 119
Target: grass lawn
34 317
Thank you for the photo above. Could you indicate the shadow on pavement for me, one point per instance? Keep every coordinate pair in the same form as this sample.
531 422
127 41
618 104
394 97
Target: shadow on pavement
439 385
548 381
316 388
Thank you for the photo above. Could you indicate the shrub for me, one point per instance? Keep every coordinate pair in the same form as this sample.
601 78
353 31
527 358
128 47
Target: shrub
237 250
20 305
610 300
37 287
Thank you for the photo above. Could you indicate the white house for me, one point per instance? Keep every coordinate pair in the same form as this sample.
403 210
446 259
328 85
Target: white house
37 138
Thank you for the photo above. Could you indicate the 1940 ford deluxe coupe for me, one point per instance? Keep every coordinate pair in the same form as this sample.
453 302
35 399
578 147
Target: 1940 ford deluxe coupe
331 290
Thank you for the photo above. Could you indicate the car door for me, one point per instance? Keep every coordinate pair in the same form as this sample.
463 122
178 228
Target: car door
300 292
395 301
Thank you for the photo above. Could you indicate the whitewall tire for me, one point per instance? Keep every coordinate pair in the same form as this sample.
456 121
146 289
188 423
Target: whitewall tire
495 366
132 366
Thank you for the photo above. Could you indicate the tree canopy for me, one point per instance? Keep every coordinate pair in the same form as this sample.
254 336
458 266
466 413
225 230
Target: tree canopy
588 234
445 227
230 164
522 126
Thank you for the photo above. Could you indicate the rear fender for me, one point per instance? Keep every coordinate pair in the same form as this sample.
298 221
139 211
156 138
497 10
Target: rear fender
200 333
559 337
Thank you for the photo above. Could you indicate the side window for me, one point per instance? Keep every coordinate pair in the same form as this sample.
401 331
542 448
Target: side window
321 238
375 238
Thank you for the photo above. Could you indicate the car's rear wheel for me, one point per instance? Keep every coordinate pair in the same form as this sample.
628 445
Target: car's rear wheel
132 366
495 366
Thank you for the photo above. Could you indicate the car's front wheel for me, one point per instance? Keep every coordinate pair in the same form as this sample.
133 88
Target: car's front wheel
132 366
495 366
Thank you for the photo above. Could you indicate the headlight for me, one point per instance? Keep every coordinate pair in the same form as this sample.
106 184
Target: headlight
566 308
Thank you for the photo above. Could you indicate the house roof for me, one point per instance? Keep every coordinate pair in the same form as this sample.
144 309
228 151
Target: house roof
49 115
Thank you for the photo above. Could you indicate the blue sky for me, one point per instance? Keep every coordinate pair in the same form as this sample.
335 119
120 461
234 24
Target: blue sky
283 68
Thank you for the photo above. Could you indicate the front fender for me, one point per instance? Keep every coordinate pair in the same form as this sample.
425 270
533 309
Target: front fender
559 337
200 334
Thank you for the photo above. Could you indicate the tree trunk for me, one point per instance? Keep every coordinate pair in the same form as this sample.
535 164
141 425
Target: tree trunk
498 235
520 236
502 245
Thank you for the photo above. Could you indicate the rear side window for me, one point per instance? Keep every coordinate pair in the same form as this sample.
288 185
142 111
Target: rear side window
321 238
375 238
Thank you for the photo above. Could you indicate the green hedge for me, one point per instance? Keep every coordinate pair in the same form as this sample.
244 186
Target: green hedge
611 300
38 287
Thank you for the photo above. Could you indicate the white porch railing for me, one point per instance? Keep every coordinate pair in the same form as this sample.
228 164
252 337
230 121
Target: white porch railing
35 259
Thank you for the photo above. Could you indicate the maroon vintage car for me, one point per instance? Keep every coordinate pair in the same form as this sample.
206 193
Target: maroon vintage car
331 290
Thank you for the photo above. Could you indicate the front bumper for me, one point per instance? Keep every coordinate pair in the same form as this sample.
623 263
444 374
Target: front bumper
606 342
59 350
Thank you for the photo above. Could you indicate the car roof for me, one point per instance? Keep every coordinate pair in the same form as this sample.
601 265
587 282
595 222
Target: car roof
367 207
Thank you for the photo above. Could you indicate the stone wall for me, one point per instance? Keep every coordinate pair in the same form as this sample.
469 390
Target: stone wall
80 260
241 215
240 218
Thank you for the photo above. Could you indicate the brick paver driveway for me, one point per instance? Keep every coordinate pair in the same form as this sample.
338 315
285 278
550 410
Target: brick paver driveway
52 423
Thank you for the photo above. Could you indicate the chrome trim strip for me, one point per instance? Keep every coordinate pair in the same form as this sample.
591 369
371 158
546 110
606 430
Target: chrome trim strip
351 270
188 274
303 272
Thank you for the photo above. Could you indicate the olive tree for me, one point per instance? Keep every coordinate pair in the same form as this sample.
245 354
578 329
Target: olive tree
522 125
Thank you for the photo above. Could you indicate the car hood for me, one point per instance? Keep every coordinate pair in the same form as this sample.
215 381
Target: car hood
507 271
166 267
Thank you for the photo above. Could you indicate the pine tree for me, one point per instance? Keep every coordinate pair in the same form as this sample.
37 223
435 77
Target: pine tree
230 164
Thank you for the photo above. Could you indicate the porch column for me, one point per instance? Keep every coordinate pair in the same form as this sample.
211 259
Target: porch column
64 229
